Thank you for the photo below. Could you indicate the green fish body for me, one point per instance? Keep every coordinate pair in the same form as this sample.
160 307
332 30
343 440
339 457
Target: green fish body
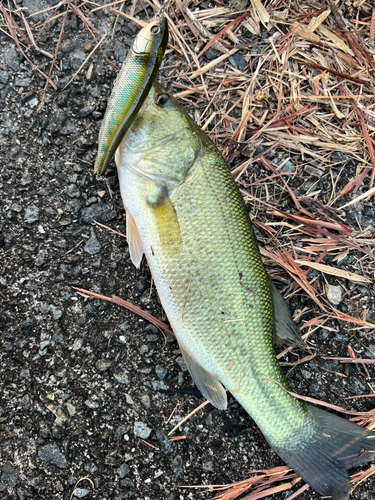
184 212
131 88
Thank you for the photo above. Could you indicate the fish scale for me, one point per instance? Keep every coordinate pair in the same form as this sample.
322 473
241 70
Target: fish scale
189 219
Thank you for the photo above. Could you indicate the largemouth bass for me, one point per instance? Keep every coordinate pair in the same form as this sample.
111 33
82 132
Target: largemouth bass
131 88
184 212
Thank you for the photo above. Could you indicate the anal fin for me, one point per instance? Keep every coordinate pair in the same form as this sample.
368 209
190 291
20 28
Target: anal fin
134 241
208 384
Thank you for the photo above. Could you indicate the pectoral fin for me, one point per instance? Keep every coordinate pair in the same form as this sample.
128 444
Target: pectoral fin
286 330
209 385
134 241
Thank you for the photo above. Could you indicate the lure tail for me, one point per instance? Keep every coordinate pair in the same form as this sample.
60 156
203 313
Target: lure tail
323 459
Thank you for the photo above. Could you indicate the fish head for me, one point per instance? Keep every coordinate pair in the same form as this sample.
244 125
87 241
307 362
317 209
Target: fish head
151 37
163 143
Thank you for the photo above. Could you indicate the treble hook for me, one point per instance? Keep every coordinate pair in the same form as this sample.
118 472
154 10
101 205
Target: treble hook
105 179
162 9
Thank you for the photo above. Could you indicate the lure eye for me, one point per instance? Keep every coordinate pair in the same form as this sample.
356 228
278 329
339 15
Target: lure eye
155 30
161 99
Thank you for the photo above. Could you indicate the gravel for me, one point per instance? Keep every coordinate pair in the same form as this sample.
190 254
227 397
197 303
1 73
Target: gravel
141 430
92 245
51 454
334 294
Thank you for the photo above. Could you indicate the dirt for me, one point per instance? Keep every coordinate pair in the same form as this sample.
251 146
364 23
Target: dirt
87 388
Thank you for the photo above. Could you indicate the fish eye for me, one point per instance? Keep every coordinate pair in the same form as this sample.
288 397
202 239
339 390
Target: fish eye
162 99
155 30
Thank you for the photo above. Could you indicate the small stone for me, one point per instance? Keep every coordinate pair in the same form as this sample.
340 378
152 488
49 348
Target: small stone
7 346
52 455
62 82
122 376
181 362
58 338
86 111
95 92
159 385
40 258
56 313
356 387
25 179
288 167
44 309
211 54
77 344
129 399
76 59
103 365
28 326
69 129
126 484
145 400
67 46
340 338
177 466
323 334
210 420
121 431
43 347
26 402
144 349
334 294
92 245
88 47
161 372
164 442
314 389
238 61
4 77
91 213
10 474
16 208
123 470
83 319
72 191
73 206
60 243
31 214
93 405
81 492
152 337
11 58
22 82
208 466
141 430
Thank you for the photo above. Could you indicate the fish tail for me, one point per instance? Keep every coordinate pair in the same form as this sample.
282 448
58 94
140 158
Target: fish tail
323 456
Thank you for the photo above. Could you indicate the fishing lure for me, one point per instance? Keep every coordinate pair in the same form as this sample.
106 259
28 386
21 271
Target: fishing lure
131 88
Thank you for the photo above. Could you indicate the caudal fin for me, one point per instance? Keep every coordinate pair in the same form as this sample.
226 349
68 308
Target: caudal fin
323 458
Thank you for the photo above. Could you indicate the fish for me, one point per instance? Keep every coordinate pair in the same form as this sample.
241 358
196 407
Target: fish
185 214
131 88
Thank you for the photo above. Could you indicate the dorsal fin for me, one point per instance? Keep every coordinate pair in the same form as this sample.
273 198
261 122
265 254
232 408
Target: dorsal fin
286 330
